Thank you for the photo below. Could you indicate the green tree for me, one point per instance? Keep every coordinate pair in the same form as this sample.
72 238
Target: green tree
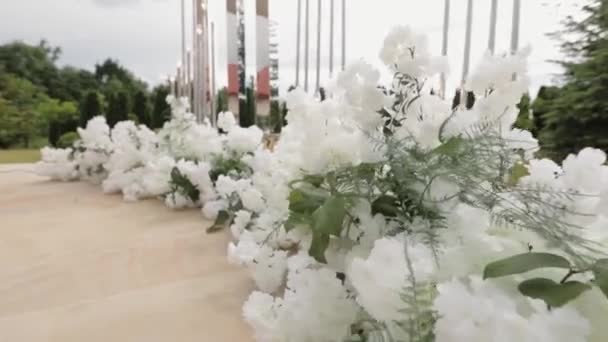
160 111
112 113
524 118
140 108
578 117
35 64
221 100
62 118
247 110
122 106
21 121
90 108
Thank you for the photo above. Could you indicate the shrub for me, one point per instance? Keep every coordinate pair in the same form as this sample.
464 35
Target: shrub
67 140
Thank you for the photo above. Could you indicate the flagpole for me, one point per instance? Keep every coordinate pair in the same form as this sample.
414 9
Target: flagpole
515 29
298 47
318 76
343 34
306 47
444 47
195 53
184 62
467 52
493 16
331 38
213 107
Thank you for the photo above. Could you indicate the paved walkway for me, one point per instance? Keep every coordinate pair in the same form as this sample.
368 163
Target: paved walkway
78 265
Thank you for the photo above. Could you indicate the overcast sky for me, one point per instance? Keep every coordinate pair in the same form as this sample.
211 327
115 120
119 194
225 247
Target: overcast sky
144 35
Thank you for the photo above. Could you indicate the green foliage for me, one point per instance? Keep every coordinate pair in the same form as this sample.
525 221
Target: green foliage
327 221
68 140
277 120
32 63
524 118
227 166
224 220
33 89
90 108
221 100
552 293
160 110
140 108
61 116
522 263
600 271
247 110
118 108
180 183
577 116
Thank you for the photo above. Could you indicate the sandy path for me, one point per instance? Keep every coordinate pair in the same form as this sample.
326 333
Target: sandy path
77 265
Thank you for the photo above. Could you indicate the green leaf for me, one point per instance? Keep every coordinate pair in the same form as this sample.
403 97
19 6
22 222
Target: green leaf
184 185
386 205
600 271
306 199
518 171
319 244
450 147
328 218
523 263
295 219
223 220
552 293
314 180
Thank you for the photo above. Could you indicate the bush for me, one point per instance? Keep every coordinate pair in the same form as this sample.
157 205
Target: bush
67 140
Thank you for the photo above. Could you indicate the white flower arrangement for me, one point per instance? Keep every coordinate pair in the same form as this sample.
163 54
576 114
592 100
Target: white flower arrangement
383 213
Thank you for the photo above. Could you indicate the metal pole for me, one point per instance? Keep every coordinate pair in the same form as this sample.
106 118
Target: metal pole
213 107
318 81
515 29
343 34
331 38
493 16
467 52
298 47
195 53
184 62
205 64
306 21
444 46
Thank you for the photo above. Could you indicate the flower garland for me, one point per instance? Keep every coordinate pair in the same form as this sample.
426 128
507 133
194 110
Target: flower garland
383 213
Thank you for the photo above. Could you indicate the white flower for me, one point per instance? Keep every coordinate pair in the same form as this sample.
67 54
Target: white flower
482 312
381 278
316 307
586 170
252 199
409 52
242 140
261 311
226 121
57 164
212 208
241 220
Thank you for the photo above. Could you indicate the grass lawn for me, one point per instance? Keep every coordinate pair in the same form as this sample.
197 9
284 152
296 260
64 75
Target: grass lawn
19 156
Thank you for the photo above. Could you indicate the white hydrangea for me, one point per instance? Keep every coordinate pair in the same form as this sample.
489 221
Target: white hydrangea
480 311
226 121
57 164
382 277
316 307
409 53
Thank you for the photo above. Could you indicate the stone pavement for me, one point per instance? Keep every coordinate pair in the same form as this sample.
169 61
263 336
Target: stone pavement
78 265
